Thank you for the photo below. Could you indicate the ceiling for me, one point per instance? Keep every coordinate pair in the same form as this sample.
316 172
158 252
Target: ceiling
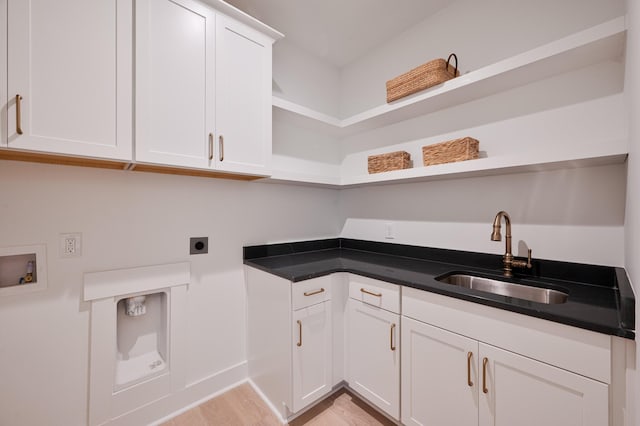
339 31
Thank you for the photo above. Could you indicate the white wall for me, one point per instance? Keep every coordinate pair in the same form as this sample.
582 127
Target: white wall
479 32
632 217
301 77
568 214
573 215
130 219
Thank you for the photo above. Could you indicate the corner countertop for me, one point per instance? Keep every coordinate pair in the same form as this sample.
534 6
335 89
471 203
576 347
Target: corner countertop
600 297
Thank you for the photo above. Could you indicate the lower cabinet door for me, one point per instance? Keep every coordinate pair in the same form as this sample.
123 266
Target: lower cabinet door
439 376
373 355
524 392
312 354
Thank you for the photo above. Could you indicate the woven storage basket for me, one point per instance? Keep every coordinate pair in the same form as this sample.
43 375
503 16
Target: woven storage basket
386 162
422 77
450 151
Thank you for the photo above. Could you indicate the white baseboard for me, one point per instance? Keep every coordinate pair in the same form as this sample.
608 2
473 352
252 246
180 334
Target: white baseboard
266 401
191 396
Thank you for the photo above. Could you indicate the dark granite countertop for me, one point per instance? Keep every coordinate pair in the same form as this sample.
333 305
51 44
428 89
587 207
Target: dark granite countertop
600 297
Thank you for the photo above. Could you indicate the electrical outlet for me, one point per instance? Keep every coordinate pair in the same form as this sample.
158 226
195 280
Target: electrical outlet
198 245
71 244
389 231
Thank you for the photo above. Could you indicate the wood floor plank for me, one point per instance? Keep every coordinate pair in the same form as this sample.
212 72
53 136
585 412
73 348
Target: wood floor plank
242 406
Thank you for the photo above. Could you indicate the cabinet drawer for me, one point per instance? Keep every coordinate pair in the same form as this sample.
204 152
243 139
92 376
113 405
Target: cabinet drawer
310 292
377 293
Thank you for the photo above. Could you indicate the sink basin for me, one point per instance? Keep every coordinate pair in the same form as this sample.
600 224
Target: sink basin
518 291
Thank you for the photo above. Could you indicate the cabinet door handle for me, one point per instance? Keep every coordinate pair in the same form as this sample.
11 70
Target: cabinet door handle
469 357
299 333
371 293
485 361
210 146
311 293
18 115
221 141
393 346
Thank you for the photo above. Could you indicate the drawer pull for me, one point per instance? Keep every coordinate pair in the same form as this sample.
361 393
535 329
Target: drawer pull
311 293
18 115
221 141
210 146
393 346
485 361
371 293
299 333
469 356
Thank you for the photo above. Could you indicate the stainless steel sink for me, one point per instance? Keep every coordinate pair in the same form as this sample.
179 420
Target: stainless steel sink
518 291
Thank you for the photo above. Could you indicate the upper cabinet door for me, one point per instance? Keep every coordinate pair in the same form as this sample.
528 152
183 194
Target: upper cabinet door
243 98
175 56
69 73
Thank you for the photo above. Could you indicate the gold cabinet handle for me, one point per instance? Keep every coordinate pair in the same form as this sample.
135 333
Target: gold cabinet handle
371 293
18 115
299 333
469 356
221 141
393 346
485 361
311 293
210 146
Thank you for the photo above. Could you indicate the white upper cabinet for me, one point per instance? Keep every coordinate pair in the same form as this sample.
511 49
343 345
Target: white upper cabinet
243 98
69 77
203 89
175 42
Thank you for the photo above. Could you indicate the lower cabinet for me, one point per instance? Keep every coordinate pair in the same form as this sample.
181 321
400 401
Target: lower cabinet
439 376
450 379
424 358
290 339
311 354
373 343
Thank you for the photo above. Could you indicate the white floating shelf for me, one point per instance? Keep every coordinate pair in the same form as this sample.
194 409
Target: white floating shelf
481 167
594 45
464 169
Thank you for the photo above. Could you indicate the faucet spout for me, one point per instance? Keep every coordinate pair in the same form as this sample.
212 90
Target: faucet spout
508 259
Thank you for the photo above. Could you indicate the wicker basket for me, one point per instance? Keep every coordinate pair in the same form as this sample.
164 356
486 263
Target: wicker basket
450 151
392 161
422 77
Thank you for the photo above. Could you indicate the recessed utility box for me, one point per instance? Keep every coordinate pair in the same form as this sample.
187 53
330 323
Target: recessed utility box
142 340
22 269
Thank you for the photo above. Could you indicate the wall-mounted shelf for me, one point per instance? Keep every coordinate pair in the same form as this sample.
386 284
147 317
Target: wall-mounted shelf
543 141
482 167
594 45
465 169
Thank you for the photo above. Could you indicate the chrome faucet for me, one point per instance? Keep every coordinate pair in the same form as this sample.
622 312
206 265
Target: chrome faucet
508 260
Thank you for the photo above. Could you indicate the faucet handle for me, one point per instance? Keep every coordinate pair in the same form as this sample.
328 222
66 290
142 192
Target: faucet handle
516 263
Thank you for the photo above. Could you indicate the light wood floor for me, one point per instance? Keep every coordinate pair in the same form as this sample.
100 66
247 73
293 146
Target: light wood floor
242 406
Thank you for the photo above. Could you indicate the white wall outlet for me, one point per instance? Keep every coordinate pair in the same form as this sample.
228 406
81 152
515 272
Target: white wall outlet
389 230
71 244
